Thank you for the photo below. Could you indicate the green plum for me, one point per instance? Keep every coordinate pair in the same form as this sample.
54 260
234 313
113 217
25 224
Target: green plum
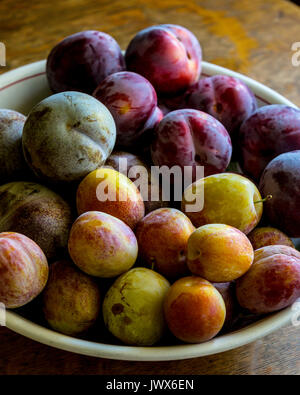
133 307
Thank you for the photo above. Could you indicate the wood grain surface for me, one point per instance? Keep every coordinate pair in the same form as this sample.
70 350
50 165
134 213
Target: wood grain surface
253 37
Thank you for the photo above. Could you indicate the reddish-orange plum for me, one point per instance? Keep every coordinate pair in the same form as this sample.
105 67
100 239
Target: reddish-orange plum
265 236
273 281
162 237
23 268
194 310
111 192
268 251
102 245
219 253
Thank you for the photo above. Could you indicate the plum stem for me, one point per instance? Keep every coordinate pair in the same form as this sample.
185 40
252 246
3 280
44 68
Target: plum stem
268 197
153 263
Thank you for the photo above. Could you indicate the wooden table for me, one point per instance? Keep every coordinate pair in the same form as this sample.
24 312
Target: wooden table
253 37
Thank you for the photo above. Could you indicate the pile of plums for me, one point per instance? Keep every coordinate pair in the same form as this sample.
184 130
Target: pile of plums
85 236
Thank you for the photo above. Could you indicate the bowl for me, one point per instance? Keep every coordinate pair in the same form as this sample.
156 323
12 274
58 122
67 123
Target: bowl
20 90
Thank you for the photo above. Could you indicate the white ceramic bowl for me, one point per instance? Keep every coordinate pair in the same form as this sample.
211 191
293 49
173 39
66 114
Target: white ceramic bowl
22 88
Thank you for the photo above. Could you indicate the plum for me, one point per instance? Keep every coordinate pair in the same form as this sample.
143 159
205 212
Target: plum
133 307
142 145
71 299
264 236
68 135
269 131
81 61
227 290
12 163
172 103
273 281
267 251
102 245
162 237
169 56
194 310
37 212
281 180
132 101
192 138
164 108
111 192
226 98
23 267
148 184
228 198
219 253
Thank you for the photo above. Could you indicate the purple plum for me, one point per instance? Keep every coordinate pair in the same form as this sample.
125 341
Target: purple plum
269 131
132 101
281 179
226 98
192 138
81 61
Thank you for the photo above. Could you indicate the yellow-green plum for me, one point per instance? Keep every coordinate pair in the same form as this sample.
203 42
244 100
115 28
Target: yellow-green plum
102 245
194 310
219 253
71 299
228 198
133 307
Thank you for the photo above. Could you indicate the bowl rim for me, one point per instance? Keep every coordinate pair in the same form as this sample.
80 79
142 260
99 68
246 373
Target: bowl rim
217 345
262 92
220 343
